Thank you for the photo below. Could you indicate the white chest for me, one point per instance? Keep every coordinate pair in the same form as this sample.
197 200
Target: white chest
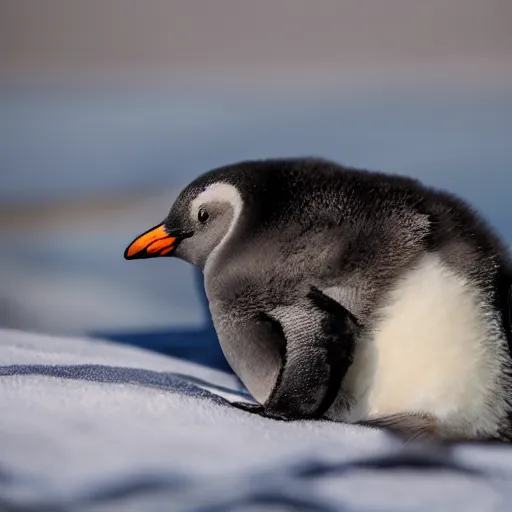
436 349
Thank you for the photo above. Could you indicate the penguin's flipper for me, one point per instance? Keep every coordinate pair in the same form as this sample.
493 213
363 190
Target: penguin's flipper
259 410
320 341
411 426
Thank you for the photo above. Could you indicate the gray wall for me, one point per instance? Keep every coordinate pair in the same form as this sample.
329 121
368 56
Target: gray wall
151 39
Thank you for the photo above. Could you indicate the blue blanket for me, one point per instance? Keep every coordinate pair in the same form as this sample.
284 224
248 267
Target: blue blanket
87 425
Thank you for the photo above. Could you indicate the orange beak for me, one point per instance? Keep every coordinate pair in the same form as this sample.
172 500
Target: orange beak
152 244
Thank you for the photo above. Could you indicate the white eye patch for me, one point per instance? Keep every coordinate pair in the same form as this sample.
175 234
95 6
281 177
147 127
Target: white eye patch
218 193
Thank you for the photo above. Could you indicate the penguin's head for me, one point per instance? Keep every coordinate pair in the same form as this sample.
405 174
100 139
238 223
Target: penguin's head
245 195
199 222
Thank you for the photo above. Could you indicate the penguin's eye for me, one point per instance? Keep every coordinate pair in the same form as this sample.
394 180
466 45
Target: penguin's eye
202 215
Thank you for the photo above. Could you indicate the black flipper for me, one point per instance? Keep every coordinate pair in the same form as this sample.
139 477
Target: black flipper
320 343
259 410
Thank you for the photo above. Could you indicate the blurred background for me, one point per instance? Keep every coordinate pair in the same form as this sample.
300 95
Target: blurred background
109 107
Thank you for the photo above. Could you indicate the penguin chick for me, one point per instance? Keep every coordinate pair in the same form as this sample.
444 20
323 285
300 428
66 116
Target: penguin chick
352 295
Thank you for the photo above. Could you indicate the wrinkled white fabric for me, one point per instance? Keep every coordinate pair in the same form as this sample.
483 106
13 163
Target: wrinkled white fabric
88 425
